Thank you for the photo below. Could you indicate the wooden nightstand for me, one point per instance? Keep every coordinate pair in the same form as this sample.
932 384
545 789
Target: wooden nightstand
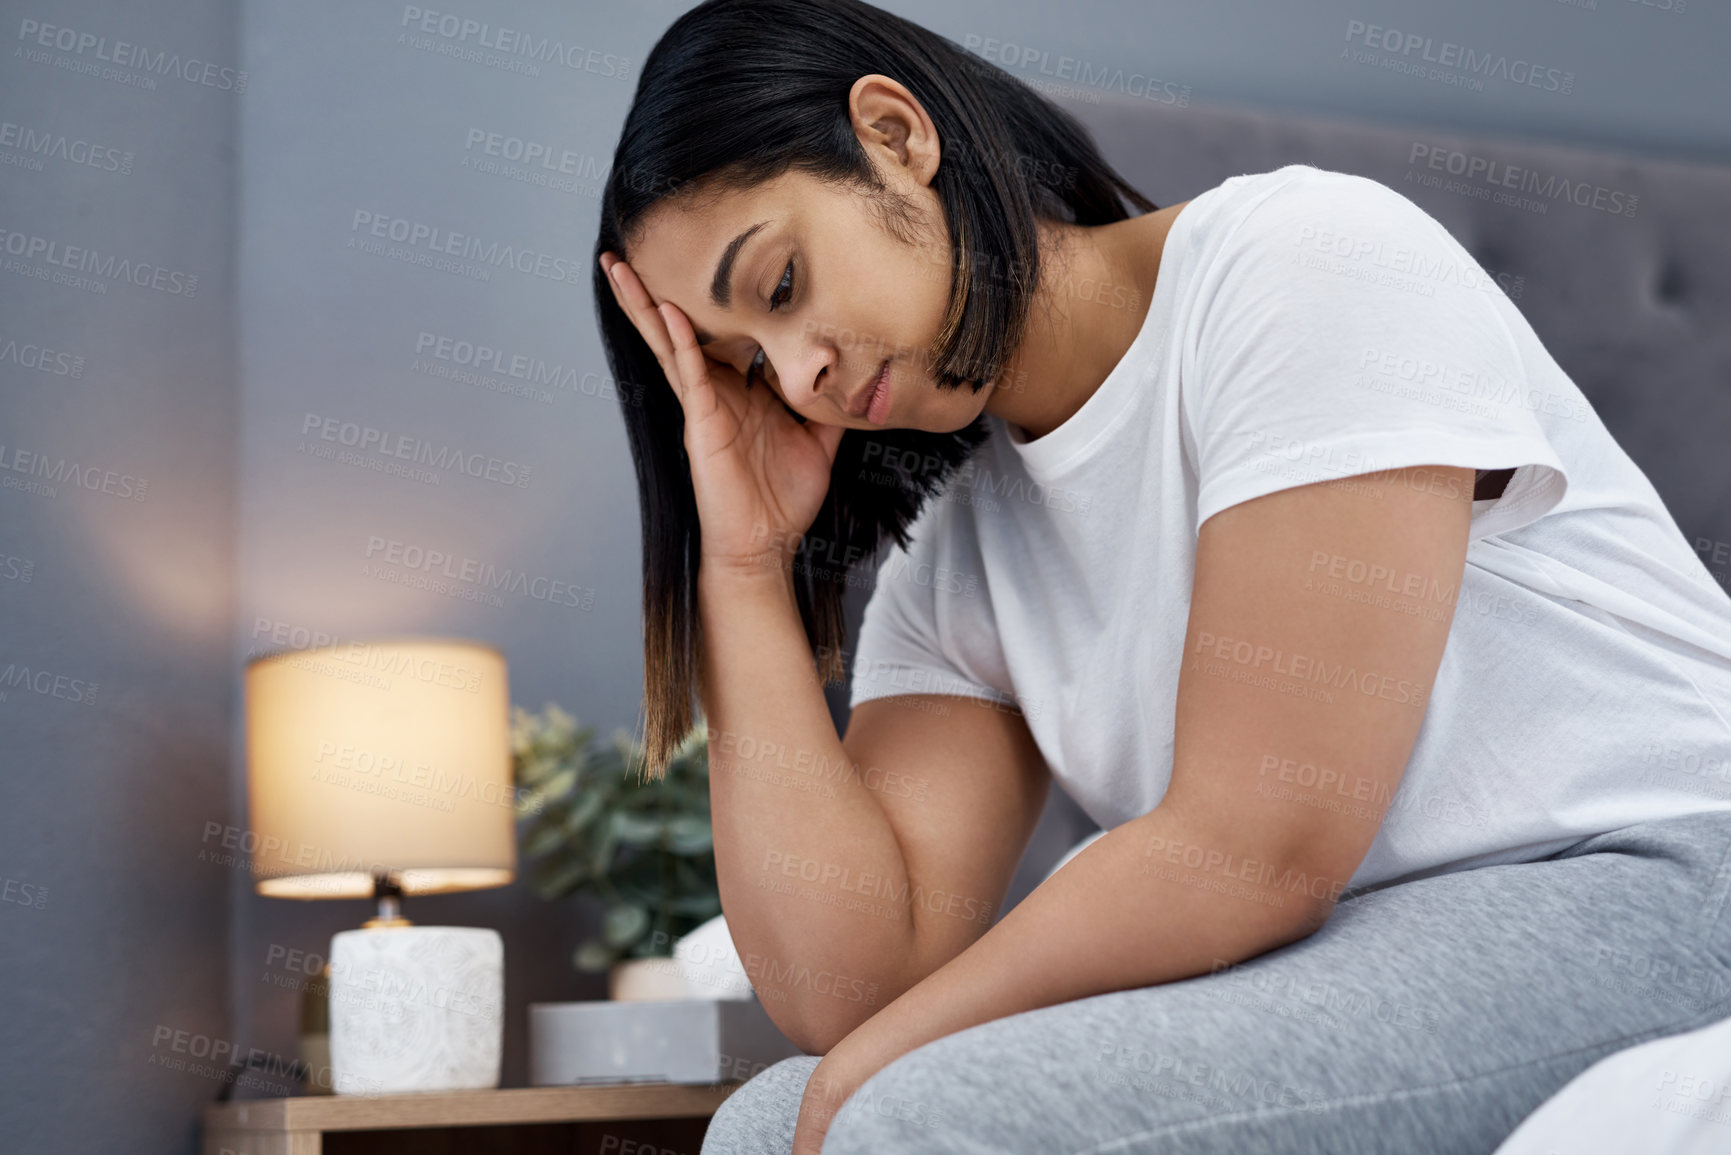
516 1119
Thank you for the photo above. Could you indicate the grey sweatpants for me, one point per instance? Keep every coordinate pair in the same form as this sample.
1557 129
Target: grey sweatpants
1425 1018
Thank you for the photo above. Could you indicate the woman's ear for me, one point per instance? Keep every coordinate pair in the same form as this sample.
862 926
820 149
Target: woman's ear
893 128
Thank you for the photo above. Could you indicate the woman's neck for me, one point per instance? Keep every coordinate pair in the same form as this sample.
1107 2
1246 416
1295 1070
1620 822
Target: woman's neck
1096 283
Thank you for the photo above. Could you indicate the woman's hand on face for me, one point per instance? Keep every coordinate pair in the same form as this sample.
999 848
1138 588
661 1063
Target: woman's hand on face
759 475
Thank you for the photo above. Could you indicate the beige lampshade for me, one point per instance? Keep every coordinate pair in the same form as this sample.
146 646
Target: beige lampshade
383 756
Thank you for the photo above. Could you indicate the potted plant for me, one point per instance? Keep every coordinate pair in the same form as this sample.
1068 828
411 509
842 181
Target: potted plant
593 823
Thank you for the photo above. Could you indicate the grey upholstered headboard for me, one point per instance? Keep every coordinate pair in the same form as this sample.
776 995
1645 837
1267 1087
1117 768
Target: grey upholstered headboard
1621 264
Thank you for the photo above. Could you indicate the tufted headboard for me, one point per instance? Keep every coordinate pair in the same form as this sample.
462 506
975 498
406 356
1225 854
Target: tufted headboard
1621 264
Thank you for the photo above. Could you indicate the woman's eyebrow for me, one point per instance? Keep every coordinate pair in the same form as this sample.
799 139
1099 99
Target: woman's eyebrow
720 287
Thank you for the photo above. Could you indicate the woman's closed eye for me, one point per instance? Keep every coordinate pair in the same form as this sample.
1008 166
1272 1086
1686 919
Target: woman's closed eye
784 289
783 293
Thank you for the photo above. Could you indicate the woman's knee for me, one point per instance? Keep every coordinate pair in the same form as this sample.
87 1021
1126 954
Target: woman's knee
759 1117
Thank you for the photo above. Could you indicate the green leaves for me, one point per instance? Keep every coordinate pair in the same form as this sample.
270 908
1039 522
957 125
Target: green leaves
638 829
582 813
594 955
690 833
544 841
624 925
594 825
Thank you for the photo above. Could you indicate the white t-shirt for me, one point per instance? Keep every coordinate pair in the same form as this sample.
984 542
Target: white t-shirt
1308 325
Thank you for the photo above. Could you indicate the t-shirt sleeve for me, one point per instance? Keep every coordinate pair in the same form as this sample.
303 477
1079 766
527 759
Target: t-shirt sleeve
1342 330
928 626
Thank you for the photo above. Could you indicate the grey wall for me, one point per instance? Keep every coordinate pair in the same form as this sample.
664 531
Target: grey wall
1633 75
194 518
117 561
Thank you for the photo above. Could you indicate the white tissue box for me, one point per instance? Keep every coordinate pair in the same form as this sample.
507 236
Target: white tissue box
672 1041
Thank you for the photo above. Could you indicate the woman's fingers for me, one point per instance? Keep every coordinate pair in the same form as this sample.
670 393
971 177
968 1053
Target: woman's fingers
697 394
671 338
641 309
635 300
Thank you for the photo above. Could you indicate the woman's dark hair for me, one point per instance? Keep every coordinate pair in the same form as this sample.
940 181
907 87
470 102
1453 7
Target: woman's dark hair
738 92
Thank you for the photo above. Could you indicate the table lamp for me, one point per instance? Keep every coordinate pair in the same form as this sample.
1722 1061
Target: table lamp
382 769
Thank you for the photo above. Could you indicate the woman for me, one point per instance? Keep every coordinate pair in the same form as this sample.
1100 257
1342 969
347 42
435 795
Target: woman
1325 593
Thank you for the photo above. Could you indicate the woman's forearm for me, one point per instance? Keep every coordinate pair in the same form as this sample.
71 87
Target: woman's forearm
786 801
1157 899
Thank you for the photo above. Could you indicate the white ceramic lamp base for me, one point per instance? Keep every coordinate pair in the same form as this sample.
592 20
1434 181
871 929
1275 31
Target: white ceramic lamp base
416 1008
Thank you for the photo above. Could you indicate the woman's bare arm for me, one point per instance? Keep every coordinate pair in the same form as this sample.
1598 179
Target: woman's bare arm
1282 669
848 871
828 858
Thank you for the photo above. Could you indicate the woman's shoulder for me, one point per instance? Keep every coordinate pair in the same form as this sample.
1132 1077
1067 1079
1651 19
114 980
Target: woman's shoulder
1300 203
1251 187
1307 203
1305 234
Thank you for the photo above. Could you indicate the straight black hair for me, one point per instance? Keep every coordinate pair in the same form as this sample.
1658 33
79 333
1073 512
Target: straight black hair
737 92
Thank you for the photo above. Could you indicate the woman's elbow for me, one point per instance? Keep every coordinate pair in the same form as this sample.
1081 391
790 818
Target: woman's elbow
816 1025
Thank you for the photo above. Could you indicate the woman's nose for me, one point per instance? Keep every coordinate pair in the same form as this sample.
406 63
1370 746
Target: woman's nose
808 378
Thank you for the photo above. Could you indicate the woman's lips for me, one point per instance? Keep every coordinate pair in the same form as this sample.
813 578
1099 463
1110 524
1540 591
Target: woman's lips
878 408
